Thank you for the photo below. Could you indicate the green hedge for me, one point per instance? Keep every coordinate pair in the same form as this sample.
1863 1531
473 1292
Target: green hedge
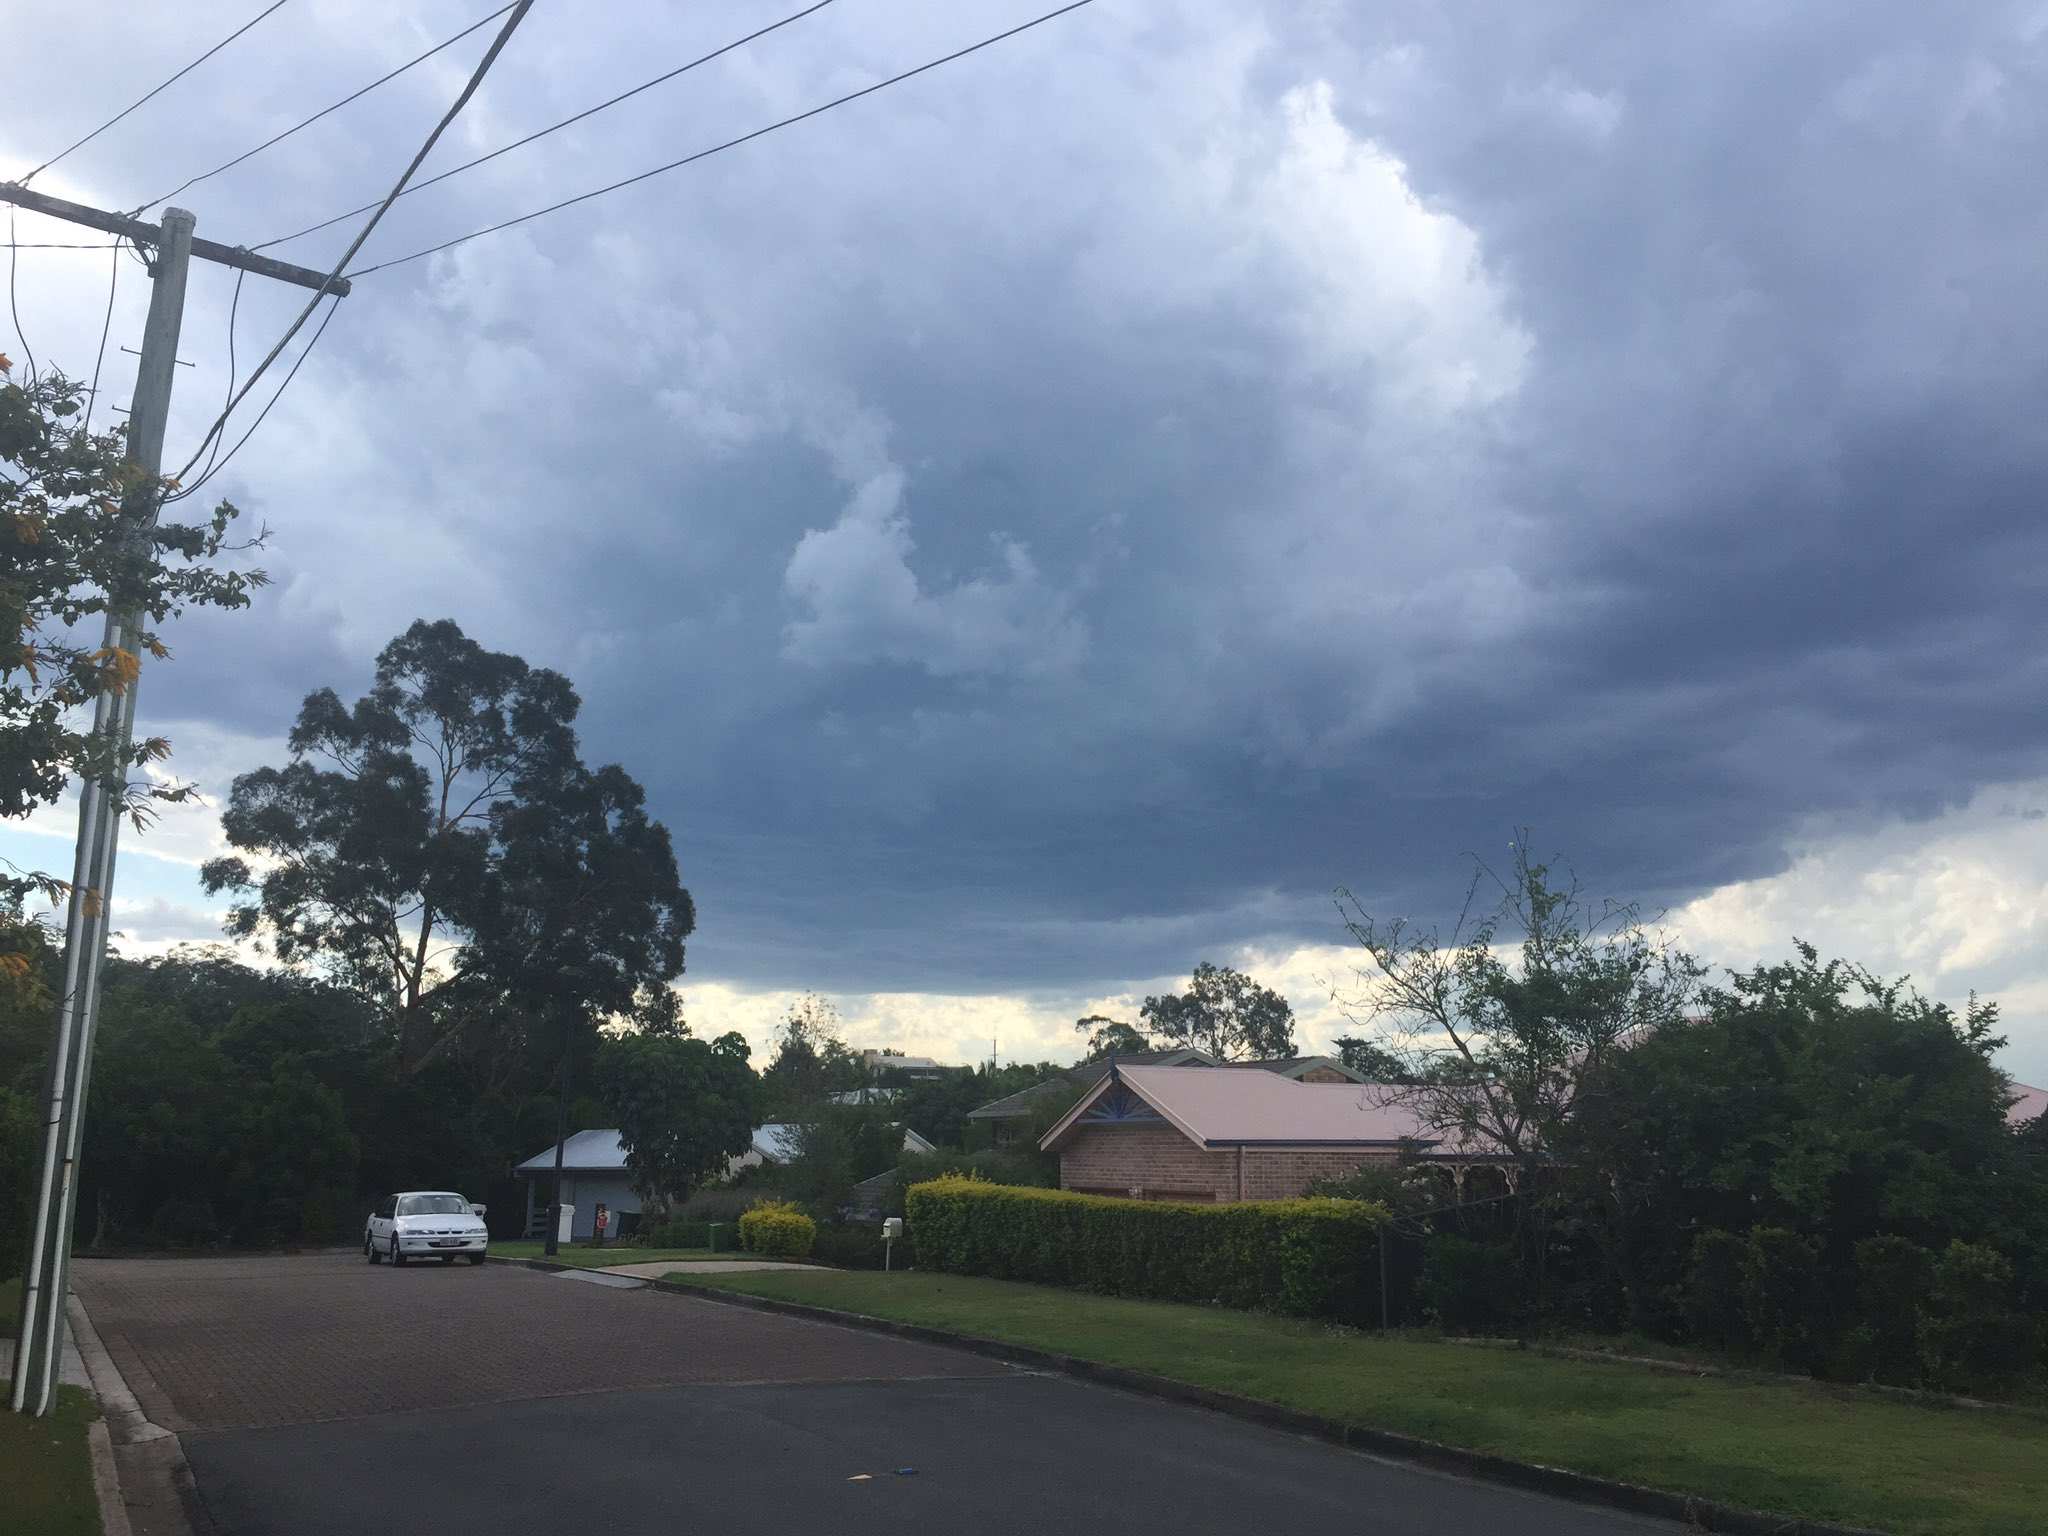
778 1229
1307 1258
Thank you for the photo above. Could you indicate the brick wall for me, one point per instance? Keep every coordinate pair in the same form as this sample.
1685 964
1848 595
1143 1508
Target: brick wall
1322 1075
1279 1175
1165 1165
1157 1159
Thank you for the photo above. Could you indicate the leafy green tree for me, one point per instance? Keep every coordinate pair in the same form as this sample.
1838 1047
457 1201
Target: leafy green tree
581 912
79 538
834 1147
1110 1037
374 845
1225 1013
811 1062
1491 1046
292 1169
20 1140
29 968
1816 1097
684 1108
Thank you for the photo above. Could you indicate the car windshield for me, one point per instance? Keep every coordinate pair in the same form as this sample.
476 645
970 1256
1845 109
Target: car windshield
433 1205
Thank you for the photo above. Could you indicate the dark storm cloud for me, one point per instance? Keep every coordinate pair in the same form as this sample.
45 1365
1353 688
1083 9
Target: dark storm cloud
1055 520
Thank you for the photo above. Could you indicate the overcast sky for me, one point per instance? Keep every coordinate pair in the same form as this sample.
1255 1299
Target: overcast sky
1048 523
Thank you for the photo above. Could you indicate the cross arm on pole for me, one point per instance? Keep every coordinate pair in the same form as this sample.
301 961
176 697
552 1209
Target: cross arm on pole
146 234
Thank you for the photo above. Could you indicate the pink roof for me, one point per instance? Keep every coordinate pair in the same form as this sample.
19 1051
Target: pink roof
2032 1103
1233 1108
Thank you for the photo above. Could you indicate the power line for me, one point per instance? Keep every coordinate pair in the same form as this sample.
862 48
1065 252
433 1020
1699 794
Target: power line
476 79
235 309
14 309
570 202
290 373
557 127
63 245
309 121
103 127
92 396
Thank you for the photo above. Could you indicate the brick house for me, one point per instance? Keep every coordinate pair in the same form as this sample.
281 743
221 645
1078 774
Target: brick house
1195 1133
1009 1120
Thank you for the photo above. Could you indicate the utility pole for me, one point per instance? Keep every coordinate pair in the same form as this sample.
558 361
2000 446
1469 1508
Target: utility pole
45 1285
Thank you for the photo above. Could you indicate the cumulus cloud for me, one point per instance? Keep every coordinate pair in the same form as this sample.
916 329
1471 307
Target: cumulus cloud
1047 523
859 601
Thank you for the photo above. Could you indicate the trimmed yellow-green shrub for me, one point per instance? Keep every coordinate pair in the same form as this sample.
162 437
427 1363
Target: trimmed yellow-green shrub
778 1229
1312 1257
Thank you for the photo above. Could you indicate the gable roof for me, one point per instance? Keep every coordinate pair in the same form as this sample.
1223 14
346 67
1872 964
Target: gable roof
2030 1105
1295 1066
1024 1101
585 1152
779 1141
1243 1109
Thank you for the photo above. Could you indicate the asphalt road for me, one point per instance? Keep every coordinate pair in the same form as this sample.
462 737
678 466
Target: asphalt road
318 1395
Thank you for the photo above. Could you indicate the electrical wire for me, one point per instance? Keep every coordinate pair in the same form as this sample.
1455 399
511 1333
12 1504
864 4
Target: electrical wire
92 395
476 79
103 127
291 373
308 122
14 309
64 245
234 309
646 85
570 202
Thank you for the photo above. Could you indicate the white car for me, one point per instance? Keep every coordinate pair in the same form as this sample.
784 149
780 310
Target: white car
425 1224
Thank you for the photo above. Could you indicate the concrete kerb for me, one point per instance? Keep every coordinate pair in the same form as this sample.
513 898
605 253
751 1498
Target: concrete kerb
160 1484
1687 1509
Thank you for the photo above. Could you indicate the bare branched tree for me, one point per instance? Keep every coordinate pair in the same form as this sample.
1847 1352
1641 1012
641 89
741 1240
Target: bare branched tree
1493 1031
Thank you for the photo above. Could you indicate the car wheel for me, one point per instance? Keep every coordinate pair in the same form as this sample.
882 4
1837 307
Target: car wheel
474 1258
397 1255
370 1249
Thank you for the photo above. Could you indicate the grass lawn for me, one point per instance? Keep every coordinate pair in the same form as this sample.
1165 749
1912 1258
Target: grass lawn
46 1470
1811 1450
612 1253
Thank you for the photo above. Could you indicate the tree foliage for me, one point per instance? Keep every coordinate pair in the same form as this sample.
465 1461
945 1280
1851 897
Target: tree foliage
1816 1097
80 538
376 846
811 1063
684 1108
1223 1012
1110 1037
1493 1044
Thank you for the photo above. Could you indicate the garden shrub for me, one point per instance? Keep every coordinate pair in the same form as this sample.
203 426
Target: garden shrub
858 1245
778 1229
1306 1258
18 1148
1782 1299
722 1202
1711 1303
1972 1338
1468 1286
1893 1278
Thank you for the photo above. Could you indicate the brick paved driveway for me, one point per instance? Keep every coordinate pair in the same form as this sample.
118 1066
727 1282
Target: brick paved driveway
244 1342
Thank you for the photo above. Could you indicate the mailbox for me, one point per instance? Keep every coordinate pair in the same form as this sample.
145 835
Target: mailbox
892 1227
